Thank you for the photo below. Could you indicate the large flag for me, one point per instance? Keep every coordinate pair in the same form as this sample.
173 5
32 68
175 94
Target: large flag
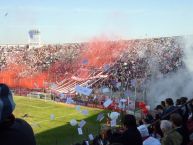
83 90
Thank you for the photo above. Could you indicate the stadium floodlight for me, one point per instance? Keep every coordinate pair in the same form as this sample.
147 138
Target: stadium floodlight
34 38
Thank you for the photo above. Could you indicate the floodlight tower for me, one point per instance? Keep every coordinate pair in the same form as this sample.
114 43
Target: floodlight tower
34 38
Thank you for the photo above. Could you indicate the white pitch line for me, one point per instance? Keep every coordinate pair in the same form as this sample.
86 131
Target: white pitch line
37 106
55 118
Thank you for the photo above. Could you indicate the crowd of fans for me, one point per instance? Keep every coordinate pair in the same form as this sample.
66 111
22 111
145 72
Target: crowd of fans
143 60
129 76
39 59
166 125
138 61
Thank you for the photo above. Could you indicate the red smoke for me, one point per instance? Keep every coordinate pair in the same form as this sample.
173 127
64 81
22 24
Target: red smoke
103 51
98 52
13 78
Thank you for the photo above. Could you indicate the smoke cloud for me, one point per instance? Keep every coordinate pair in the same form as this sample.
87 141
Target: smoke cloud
175 84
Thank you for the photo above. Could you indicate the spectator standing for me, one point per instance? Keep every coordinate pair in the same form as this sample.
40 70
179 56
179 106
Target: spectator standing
130 135
147 139
184 109
171 136
169 108
159 111
177 123
12 131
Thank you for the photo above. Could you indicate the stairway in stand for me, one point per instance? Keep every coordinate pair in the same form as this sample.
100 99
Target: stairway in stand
68 85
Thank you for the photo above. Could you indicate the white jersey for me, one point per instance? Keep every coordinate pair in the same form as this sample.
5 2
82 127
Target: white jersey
151 141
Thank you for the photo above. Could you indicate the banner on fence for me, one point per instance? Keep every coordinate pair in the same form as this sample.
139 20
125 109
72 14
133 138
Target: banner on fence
83 90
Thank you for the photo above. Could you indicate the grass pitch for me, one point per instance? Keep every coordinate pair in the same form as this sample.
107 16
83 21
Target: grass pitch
57 131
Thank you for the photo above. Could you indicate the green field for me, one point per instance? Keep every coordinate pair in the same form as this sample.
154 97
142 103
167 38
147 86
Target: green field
57 131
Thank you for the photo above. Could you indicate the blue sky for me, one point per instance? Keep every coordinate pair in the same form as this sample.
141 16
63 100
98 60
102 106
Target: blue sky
62 21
